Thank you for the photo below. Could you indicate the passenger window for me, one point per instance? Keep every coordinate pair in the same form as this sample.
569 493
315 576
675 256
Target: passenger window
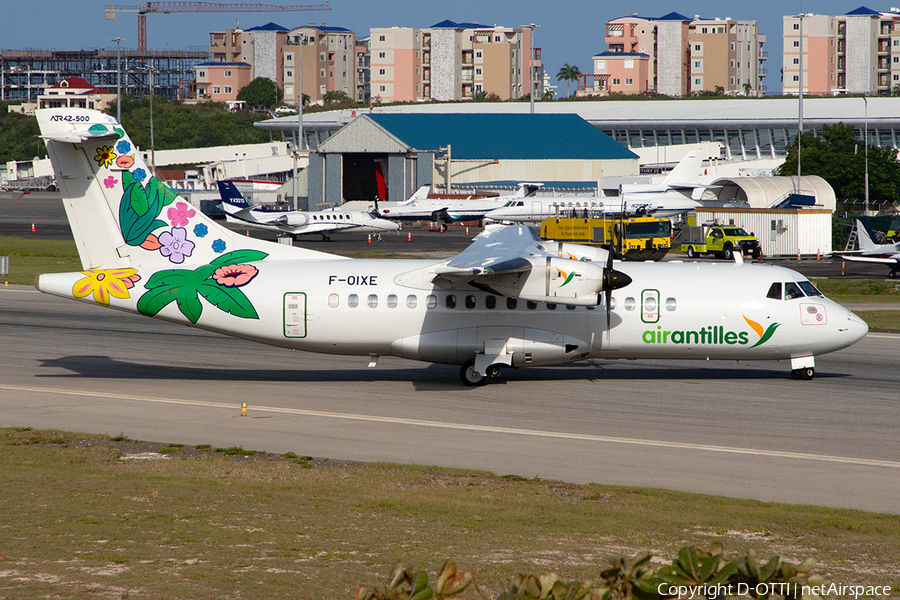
670 304
629 303
372 301
333 300
451 301
792 291
431 301
774 291
470 301
411 301
490 302
531 305
650 304
511 303
352 300
392 301
551 306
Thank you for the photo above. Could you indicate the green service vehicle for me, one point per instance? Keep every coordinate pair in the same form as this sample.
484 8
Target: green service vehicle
720 240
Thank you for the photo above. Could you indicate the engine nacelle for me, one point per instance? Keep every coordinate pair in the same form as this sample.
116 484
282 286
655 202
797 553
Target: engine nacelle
579 252
294 218
559 280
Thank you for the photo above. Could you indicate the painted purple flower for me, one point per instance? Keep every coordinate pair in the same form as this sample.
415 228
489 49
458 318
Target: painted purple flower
139 174
180 213
175 245
110 182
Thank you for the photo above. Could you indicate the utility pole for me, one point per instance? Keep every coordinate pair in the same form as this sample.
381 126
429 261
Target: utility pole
531 27
800 121
866 151
118 40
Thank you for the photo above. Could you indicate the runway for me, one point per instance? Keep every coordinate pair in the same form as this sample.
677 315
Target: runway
736 429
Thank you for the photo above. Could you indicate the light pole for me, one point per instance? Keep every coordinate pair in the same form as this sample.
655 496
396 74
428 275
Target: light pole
531 27
866 151
149 68
299 145
118 40
800 97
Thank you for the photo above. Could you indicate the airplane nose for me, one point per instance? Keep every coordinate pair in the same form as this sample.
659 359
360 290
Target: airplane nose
856 329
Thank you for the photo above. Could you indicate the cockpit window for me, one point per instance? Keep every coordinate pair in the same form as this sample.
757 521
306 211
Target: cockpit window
774 291
809 288
792 290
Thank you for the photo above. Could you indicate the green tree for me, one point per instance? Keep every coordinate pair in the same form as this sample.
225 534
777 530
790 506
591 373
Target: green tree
747 88
336 96
19 136
568 73
838 157
261 92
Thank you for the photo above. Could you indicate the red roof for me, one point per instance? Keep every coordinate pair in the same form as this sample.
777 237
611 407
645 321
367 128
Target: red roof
79 84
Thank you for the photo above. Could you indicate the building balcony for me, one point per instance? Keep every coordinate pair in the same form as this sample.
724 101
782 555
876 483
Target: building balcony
762 72
763 56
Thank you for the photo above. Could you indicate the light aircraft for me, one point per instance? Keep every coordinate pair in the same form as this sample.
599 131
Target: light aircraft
668 198
295 222
869 251
448 210
508 300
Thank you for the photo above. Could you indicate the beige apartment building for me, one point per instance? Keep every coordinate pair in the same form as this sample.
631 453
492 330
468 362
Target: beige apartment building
855 53
452 61
683 55
328 62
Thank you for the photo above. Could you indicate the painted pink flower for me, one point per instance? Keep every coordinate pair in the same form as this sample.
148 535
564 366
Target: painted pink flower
235 275
180 213
110 182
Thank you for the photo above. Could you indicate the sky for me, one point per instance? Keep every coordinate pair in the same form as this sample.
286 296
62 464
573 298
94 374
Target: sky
571 31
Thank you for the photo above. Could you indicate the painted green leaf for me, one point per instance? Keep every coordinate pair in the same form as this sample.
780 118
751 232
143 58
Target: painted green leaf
155 300
190 307
156 187
765 336
238 257
119 131
172 278
98 129
229 299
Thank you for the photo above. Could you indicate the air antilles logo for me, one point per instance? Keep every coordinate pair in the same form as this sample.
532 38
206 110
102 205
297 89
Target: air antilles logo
710 335
567 276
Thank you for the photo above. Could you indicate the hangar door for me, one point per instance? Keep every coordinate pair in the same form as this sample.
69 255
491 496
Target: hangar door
364 177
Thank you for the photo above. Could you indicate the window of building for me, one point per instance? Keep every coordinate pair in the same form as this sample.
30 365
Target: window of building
478 71
478 53
616 81
703 30
796 61
380 38
697 64
227 89
289 57
796 43
381 55
796 26
381 88
698 82
629 81
496 38
381 71
288 73
201 73
227 73
321 72
796 78
696 47
217 89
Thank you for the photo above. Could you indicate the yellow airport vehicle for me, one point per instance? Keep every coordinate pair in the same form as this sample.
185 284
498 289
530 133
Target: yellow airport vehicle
645 238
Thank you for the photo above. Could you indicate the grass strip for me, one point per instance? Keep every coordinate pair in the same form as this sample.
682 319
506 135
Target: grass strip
80 522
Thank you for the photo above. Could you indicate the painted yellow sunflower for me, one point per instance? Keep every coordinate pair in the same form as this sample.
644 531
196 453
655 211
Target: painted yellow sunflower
105 156
106 283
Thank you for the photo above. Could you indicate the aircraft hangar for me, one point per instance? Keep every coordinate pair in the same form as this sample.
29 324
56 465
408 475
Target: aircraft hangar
392 155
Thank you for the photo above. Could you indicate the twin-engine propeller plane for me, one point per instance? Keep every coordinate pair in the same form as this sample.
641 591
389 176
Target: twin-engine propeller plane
869 251
509 300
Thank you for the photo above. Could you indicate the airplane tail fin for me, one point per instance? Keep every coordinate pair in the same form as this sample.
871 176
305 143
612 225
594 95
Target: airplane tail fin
864 239
231 195
687 171
420 194
122 217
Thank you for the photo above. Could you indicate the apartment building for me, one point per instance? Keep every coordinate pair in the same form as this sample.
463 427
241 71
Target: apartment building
452 61
855 53
327 57
683 56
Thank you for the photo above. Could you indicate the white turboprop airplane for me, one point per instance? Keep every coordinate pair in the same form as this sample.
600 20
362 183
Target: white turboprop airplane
869 251
420 207
509 300
670 197
295 222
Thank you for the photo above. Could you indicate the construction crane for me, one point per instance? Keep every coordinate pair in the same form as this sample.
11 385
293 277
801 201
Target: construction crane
143 8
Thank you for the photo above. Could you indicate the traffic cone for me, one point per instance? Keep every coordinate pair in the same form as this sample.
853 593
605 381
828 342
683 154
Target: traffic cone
409 236
430 225
467 231
248 233
798 255
819 254
370 239
32 228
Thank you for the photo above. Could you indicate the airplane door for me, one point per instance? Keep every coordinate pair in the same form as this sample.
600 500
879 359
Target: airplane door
295 315
649 306
537 208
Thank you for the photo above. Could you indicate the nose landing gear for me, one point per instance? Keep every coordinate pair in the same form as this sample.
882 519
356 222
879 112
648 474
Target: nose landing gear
471 378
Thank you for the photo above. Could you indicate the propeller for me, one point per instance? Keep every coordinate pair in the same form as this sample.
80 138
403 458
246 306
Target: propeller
612 280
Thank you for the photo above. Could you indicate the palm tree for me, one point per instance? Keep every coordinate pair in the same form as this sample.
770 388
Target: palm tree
568 73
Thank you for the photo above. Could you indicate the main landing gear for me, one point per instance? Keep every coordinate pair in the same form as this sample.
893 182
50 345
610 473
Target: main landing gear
805 374
471 378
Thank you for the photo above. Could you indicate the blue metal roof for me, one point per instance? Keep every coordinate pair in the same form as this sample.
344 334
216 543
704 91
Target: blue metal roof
212 63
511 136
674 16
268 27
864 10
325 28
448 24
624 54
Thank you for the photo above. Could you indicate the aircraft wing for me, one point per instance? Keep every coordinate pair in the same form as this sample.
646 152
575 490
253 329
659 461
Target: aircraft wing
248 215
892 260
513 262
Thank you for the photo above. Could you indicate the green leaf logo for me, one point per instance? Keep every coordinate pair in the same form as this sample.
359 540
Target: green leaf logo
763 335
567 276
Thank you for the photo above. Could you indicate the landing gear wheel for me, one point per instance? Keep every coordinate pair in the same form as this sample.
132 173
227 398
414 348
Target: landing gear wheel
728 252
493 371
378 237
806 374
469 376
893 274
690 252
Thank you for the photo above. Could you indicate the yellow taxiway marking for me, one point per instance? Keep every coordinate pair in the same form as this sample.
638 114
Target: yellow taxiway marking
469 427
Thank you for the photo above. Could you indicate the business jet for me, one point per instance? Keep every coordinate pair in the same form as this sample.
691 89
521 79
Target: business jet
509 300
869 251
446 210
672 196
295 222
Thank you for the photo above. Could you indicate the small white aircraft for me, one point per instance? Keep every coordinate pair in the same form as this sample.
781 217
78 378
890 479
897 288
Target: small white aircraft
295 222
509 300
670 197
419 207
869 251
